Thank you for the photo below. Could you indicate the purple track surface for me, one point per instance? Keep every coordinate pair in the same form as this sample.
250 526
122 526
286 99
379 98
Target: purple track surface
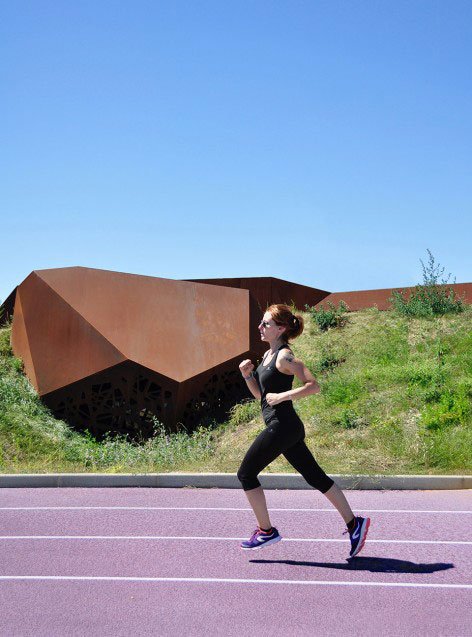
172 565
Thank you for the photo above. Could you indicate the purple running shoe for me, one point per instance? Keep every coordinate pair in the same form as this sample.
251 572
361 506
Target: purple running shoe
260 538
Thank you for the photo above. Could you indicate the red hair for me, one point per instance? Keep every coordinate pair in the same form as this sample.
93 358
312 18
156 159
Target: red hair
282 315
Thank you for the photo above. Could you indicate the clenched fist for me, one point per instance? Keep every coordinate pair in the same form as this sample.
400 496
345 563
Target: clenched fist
246 367
275 399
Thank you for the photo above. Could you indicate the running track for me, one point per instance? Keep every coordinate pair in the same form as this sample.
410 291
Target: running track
126 562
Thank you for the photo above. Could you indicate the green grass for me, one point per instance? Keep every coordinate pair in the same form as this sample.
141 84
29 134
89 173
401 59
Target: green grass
32 440
396 397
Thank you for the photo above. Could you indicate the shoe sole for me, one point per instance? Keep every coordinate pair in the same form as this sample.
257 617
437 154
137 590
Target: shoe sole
262 545
364 529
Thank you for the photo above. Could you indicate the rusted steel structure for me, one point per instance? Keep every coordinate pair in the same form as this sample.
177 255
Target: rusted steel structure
264 291
268 290
108 351
111 352
361 299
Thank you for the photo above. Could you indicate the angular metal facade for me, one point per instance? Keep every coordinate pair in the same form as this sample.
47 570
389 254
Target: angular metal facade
108 351
112 352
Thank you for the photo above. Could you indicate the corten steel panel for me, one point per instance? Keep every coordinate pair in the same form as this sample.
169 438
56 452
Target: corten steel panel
63 346
150 319
104 347
268 290
122 399
213 392
463 290
360 299
300 295
265 291
260 291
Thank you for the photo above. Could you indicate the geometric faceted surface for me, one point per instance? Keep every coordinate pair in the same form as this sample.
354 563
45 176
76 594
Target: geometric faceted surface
122 399
267 290
125 398
94 319
111 352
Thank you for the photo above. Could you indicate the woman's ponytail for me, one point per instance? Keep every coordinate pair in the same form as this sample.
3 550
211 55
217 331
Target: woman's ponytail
282 315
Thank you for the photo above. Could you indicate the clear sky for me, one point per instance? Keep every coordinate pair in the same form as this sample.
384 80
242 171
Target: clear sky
323 142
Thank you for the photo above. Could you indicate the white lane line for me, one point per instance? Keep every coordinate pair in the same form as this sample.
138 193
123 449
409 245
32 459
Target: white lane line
220 539
221 580
150 508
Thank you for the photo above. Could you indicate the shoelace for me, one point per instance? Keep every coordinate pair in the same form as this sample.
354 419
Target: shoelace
348 531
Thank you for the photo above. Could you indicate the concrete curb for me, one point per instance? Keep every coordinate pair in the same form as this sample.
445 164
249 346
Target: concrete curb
229 481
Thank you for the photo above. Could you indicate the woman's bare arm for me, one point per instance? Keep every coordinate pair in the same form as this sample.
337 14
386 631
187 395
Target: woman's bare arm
246 368
288 364
254 387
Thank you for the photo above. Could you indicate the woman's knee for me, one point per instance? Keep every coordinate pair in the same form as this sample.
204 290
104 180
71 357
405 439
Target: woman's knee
247 479
322 482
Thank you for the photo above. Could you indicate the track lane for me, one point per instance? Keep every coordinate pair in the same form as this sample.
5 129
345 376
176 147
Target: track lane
309 498
192 559
230 523
357 603
118 609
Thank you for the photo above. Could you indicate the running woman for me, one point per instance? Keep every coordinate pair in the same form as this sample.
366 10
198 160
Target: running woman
271 383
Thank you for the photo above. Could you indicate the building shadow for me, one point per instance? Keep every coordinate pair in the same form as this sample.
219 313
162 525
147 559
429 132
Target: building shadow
372 564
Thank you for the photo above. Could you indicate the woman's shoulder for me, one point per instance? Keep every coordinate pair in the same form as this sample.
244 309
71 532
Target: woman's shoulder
284 358
286 351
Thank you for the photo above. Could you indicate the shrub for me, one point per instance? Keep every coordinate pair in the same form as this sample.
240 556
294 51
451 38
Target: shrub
329 316
431 298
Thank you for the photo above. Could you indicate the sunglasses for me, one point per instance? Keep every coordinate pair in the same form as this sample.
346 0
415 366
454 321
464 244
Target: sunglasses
265 324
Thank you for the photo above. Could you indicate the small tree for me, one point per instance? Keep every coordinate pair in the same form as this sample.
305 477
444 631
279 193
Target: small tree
430 298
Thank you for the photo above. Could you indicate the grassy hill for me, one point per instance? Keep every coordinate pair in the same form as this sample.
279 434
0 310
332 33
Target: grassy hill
396 397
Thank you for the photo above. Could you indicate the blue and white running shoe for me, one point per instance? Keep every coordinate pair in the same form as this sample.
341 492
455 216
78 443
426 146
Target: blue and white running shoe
358 535
260 538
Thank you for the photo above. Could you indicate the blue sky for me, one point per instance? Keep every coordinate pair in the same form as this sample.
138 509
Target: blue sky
323 142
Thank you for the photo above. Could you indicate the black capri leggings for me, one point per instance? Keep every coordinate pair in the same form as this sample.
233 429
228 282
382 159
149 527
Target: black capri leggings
287 439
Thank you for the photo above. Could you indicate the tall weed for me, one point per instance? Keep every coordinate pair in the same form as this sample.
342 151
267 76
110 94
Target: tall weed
431 298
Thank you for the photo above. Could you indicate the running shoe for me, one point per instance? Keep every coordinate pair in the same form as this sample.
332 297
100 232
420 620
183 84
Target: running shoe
358 535
260 538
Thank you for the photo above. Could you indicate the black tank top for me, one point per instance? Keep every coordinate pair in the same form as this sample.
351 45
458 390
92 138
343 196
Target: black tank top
273 381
